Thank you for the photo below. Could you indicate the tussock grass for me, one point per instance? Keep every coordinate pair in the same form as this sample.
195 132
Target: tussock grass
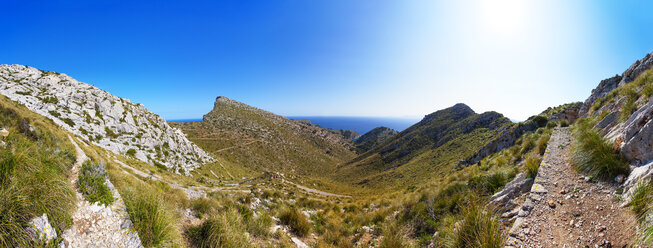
92 183
203 206
640 199
594 155
222 230
294 218
478 227
394 236
152 220
532 165
34 165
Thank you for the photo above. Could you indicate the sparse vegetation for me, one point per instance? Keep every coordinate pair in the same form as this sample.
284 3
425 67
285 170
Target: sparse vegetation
222 230
69 122
296 220
594 155
479 228
33 181
91 183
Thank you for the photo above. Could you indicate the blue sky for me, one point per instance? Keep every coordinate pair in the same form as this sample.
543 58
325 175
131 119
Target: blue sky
332 57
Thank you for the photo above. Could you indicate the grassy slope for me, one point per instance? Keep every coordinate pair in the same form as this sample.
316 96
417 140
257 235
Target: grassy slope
34 169
427 150
261 141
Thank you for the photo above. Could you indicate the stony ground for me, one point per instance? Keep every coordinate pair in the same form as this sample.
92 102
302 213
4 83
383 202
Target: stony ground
565 209
98 225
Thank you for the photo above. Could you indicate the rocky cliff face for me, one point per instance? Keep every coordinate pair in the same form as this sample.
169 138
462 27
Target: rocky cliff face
108 121
373 138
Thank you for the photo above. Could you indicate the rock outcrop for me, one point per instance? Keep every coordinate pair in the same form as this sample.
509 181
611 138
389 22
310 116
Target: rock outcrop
607 85
637 136
108 121
512 190
374 137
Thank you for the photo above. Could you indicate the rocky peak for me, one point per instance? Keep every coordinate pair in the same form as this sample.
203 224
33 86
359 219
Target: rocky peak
609 84
108 121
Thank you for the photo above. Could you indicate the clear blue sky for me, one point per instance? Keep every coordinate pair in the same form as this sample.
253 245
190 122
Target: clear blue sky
332 57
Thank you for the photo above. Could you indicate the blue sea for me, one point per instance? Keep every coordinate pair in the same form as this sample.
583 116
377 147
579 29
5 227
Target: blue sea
359 124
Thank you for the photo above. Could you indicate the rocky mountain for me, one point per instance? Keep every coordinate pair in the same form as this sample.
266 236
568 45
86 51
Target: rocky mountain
440 140
347 134
108 121
373 138
263 141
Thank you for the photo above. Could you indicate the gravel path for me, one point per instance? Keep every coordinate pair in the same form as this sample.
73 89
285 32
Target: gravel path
564 209
98 225
315 191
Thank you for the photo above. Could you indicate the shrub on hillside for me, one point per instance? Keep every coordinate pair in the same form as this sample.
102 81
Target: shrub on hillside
594 155
91 183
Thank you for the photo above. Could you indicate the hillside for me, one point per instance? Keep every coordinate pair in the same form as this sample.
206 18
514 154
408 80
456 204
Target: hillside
373 138
111 122
262 141
431 147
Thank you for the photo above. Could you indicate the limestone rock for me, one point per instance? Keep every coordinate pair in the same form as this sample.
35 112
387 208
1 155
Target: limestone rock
638 135
95 115
513 189
42 230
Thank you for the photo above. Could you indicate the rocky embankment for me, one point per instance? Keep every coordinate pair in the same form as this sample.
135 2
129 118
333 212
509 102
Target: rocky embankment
108 121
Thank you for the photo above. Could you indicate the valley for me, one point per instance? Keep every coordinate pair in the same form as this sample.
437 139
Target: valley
577 174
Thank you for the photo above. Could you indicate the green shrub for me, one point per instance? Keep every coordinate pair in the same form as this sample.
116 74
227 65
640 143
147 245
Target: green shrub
50 99
110 133
54 113
131 152
224 230
296 220
152 220
69 122
594 155
91 183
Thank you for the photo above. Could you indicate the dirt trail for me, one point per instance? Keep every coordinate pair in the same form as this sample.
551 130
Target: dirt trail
564 209
315 191
98 225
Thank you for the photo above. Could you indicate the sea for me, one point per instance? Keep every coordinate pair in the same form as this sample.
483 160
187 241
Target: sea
361 125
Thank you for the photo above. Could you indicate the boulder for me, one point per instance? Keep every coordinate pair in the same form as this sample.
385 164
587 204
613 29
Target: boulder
41 229
638 136
512 190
